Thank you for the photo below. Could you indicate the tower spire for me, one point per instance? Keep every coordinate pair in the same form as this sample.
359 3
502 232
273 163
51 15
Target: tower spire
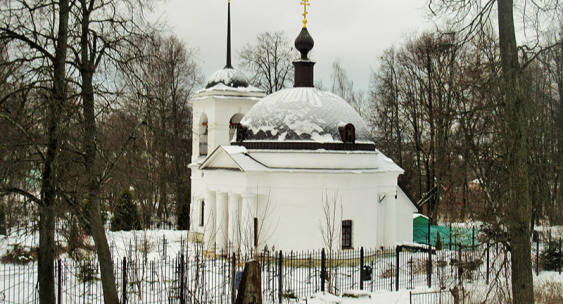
229 65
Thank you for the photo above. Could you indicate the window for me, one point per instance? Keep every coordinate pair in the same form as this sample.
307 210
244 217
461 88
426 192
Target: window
255 232
347 234
347 133
203 136
202 214
234 125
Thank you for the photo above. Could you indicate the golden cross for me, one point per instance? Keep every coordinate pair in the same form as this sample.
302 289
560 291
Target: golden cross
305 3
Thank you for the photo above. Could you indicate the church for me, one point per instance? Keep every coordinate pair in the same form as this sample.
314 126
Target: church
294 170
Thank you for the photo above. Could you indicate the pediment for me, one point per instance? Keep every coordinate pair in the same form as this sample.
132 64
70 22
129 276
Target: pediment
220 159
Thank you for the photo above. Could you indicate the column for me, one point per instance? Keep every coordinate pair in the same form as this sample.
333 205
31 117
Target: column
235 231
209 229
247 214
222 223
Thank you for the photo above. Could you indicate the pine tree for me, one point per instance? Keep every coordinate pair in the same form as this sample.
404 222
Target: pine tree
125 215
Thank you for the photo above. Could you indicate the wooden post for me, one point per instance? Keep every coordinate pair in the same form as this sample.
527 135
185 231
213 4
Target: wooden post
250 288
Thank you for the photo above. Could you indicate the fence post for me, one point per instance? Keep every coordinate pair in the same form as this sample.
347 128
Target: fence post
537 254
182 300
323 269
397 260
450 243
124 277
429 263
280 277
473 238
233 278
560 255
60 279
361 268
488 247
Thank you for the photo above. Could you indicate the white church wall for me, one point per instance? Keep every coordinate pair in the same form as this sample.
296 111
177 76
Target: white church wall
296 213
404 217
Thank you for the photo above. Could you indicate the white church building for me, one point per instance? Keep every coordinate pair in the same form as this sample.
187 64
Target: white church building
295 170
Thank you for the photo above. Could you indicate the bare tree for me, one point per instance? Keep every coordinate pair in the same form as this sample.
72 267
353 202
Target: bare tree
473 16
45 38
270 61
331 229
344 87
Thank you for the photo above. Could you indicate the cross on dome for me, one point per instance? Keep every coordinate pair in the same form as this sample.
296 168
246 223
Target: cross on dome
305 3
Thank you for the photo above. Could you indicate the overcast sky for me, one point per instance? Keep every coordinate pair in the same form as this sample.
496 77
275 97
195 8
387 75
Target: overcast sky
355 32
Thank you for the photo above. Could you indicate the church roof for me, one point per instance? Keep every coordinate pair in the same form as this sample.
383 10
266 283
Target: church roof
303 114
241 159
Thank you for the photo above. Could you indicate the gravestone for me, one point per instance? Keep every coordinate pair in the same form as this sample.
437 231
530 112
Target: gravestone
250 288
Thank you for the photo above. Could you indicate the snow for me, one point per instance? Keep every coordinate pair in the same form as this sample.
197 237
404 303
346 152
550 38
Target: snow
303 114
228 77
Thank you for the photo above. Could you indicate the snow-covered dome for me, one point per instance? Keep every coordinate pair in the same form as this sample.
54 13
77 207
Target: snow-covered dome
304 115
229 77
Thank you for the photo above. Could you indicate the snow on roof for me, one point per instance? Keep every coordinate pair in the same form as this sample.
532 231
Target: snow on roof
415 215
228 77
384 163
303 114
244 160
223 88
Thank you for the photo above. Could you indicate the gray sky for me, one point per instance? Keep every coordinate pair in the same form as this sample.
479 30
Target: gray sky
353 31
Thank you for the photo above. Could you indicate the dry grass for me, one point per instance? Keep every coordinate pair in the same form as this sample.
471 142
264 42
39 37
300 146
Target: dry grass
549 293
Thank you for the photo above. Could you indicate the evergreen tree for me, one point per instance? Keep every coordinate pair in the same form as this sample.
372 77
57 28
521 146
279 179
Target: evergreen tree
125 214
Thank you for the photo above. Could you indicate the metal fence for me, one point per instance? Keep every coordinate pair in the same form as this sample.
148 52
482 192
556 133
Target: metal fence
431 297
195 277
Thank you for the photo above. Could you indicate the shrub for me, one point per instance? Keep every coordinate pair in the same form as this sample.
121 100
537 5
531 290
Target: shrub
550 257
125 214
19 255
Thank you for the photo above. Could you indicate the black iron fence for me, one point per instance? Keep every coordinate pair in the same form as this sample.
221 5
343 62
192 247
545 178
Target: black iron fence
197 277
431 297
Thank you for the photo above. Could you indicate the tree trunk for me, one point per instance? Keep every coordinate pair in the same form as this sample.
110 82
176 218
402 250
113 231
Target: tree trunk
519 214
96 225
45 265
179 171
559 59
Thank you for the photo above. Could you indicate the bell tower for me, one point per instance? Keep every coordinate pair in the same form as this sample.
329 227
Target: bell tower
219 107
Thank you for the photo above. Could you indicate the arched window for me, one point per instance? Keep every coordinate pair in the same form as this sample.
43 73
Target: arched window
203 135
234 125
348 134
